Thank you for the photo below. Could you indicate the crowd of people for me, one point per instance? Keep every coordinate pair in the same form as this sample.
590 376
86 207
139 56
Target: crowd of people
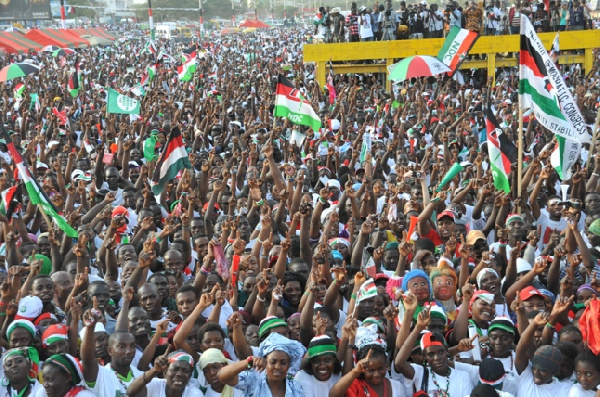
420 20
286 261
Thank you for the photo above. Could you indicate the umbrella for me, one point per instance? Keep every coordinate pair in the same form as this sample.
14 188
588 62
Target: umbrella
50 48
416 66
249 30
15 70
62 52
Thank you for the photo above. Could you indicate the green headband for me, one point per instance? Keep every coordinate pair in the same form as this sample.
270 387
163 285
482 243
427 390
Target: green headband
269 324
61 361
513 217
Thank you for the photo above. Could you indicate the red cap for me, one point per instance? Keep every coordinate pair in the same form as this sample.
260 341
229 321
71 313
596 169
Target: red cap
446 213
528 292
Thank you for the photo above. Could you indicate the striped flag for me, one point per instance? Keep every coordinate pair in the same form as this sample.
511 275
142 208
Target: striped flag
62 116
188 65
290 104
36 193
565 154
501 150
173 159
73 82
457 45
19 90
366 291
10 201
542 88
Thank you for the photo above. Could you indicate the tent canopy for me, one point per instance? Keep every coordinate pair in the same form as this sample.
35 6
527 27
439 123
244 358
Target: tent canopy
254 23
71 37
49 37
16 43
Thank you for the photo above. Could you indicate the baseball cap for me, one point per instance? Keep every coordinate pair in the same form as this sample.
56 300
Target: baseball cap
528 292
447 213
475 235
547 358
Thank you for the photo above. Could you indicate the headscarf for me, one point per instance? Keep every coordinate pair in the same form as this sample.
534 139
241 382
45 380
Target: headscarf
412 274
339 240
69 364
213 356
54 333
586 287
44 316
268 324
46 264
366 291
595 227
321 345
483 273
28 325
180 355
368 335
29 353
277 342
484 295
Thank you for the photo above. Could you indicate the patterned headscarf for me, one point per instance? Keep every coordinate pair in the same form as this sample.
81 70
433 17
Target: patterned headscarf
180 355
277 342
28 325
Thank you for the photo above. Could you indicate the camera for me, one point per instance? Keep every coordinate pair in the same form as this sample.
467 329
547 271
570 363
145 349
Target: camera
388 13
417 174
571 204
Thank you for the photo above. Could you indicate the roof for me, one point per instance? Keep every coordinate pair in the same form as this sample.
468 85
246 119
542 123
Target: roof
49 37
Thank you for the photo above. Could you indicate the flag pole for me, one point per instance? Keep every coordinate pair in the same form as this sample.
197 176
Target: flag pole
520 154
594 136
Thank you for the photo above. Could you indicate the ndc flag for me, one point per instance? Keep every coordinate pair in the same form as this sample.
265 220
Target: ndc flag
289 103
501 150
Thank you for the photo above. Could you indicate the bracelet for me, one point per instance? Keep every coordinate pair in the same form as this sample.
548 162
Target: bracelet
593 173
260 299
2 314
158 240
264 256
259 203
2 304
322 200
249 362
306 293
353 296
550 326
185 228
353 347
204 271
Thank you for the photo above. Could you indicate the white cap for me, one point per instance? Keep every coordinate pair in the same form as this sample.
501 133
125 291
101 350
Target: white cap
98 328
523 265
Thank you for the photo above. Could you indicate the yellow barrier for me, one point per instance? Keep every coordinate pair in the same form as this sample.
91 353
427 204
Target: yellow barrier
491 46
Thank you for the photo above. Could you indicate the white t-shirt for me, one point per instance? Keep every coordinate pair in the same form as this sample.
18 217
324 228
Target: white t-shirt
36 388
527 387
157 388
366 26
458 384
314 387
508 385
226 312
577 391
108 383
41 392
211 393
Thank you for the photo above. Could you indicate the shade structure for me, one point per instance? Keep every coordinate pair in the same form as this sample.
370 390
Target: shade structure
416 66
16 43
76 40
95 40
228 31
49 37
15 70
254 23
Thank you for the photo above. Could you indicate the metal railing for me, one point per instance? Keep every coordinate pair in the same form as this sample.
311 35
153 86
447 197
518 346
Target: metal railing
576 47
